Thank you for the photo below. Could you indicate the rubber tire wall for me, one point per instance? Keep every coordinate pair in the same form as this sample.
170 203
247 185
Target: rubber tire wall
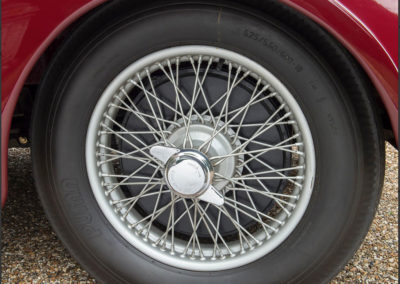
330 88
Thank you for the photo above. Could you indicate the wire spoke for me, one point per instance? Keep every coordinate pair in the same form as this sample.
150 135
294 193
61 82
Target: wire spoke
209 140
200 84
152 109
244 126
266 193
260 131
124 155
143 116
194 97
274 146
127 177
134 146
135 111
177 89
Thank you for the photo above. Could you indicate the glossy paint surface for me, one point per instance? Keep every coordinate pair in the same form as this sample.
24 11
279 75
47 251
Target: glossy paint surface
367 28
28 28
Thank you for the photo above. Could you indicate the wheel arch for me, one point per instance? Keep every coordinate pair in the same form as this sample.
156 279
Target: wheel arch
383 91
24 61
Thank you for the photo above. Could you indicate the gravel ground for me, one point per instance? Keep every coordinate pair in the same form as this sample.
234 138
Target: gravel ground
31 251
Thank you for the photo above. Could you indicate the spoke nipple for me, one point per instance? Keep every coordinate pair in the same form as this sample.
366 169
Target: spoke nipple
232 255
202 258
122 219
172 252
183 255
242 251
223 257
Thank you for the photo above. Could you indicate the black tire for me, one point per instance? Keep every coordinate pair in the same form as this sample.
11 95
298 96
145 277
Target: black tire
345 129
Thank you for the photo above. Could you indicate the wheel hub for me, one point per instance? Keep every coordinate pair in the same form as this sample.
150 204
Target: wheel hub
201 130
188 173
178 200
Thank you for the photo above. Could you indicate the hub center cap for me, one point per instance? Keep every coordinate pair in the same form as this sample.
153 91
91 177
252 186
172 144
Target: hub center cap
201 129
188 173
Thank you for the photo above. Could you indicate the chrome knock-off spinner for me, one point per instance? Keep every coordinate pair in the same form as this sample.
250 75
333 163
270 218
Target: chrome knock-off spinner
188 173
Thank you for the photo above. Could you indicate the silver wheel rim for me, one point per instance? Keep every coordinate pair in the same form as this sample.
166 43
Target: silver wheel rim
272 227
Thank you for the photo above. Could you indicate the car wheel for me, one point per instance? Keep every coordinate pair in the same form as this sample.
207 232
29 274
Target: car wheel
203 143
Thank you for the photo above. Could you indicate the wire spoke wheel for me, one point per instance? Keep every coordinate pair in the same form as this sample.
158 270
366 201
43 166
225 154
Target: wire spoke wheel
206 142
224 107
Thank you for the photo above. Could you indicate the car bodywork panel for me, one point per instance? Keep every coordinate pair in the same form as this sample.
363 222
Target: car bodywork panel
360 27
29 27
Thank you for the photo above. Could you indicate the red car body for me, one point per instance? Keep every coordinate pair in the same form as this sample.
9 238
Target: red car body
368 29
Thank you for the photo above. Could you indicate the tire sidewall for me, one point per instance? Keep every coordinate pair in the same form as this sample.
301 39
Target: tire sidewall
337 183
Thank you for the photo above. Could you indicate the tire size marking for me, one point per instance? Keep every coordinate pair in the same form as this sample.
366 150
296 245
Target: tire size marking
274 47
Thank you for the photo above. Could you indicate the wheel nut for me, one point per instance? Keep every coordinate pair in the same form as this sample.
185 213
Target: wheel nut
22 140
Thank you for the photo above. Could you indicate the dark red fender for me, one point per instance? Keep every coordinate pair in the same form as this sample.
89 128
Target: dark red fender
368 29
28 28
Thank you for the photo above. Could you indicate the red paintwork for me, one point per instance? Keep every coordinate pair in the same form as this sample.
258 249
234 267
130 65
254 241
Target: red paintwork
28 28
368 29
